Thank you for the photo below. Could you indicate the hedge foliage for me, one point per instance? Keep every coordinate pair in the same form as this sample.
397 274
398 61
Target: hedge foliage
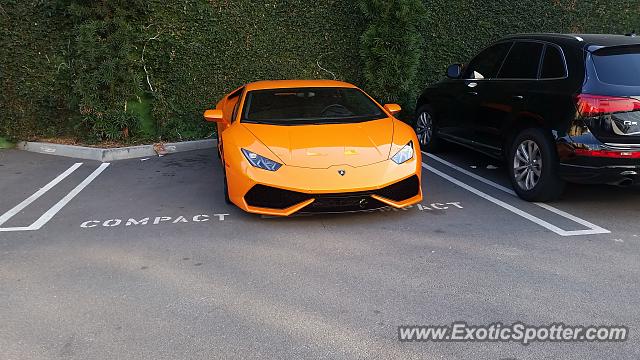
391 48
455 30
99 70
34 53
70 66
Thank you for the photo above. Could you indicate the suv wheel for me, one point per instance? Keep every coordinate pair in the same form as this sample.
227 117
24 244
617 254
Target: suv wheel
533 167
425 129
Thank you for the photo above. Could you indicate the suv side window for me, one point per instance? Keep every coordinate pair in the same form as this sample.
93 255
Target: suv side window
487 63
523 61
553 65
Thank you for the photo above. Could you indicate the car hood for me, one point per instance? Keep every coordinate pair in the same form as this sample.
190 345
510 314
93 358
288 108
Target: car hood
325 145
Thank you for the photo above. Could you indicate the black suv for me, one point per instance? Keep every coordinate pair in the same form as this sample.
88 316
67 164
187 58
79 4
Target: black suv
556 107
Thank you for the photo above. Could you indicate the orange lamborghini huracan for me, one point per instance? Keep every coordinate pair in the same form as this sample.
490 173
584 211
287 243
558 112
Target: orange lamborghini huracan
314 146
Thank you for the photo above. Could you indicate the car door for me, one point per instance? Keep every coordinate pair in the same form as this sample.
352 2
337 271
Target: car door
551 99
447 100
504 98
468 90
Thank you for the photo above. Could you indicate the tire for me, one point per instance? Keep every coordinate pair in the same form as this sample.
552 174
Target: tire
426 130
533 166
227 200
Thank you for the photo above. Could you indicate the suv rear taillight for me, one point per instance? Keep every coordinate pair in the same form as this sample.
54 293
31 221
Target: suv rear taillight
608 154
596 105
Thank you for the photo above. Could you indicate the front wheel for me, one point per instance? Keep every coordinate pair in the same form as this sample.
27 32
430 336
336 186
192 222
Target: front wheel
533 167
227 200
426 130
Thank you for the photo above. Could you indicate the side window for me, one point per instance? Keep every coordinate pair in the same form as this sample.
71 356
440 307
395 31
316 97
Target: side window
236 106
523 61
553 65
487 63
231 105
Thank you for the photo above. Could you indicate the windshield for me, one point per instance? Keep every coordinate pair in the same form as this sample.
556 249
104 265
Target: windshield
309 105
618 65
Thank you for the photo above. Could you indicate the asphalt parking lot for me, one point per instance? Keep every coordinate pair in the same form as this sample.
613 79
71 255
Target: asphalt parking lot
142 259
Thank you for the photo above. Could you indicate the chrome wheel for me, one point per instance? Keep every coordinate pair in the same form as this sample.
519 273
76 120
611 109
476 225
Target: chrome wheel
527 165
424 128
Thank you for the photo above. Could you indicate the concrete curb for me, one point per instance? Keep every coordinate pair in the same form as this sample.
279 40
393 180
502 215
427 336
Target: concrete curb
105 155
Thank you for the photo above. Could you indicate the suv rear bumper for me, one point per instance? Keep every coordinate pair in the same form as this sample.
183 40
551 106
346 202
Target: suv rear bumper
597 169
623 175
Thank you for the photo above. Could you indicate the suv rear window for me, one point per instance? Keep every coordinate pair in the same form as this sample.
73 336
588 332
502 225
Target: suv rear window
618 65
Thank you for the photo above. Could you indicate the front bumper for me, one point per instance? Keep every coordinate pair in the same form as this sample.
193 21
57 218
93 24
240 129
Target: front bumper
295 189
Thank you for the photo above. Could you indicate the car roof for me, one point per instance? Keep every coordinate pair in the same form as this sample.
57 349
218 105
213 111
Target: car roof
290 84
580 40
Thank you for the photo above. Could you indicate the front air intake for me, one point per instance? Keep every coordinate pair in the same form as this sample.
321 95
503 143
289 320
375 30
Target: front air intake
263 196
273 198
402 190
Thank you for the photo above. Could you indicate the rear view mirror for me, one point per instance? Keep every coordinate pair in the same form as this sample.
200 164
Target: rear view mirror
213 116
454 71
394 109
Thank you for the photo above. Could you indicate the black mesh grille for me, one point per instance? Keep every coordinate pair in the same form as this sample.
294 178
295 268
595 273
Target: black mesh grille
273 198
343 202
402 190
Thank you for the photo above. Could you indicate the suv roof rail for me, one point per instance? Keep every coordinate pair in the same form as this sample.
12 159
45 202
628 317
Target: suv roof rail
632 34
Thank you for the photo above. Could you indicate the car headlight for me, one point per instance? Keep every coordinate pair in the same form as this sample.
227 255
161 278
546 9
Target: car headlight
260 161
405 154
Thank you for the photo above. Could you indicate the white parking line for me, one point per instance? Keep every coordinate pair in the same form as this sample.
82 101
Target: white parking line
593 229
11 213
49 214
469 173
65 200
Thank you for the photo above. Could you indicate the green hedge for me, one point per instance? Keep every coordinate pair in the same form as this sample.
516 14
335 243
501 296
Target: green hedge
392 48
55 82
91 69
455 30
206 49
34 49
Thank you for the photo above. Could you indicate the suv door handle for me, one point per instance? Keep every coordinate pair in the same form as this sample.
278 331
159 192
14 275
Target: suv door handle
518 97
473 93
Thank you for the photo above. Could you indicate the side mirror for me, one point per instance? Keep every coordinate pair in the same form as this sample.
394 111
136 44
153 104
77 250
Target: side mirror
454 71
213 116
394 109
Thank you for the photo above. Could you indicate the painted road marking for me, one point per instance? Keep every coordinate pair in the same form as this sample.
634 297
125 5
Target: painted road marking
49 214
438 206
13 212
500 203
65 200
593 228
469 173
134 222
